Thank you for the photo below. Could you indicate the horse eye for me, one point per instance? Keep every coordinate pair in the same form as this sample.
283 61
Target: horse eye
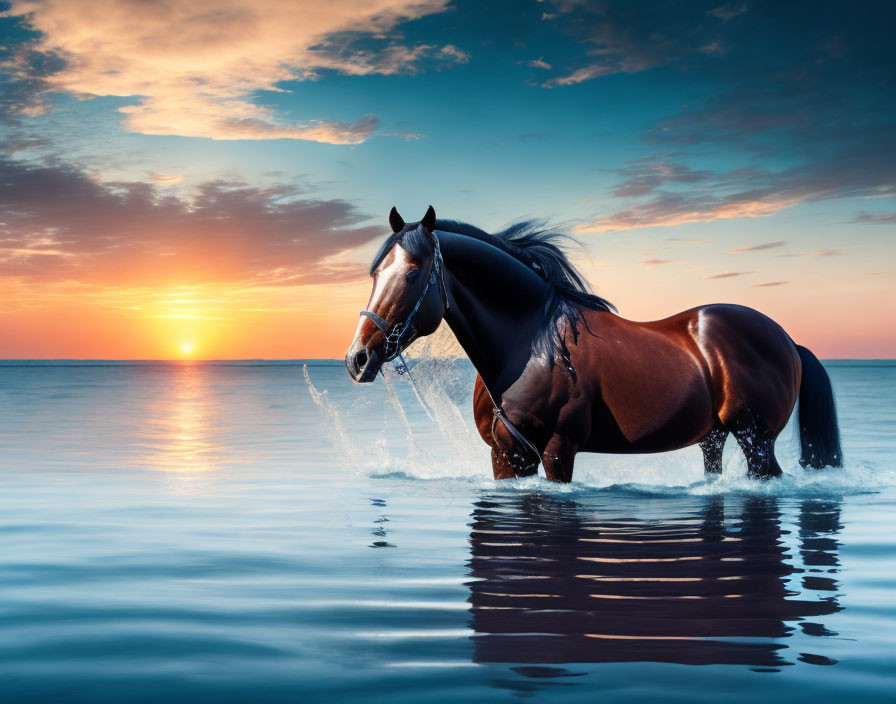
412 276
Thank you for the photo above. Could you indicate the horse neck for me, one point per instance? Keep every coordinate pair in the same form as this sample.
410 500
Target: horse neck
496 308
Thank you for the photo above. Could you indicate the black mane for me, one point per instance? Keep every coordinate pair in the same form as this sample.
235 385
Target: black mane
537 247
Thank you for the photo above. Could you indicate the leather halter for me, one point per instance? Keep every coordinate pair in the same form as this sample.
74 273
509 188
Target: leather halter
397 335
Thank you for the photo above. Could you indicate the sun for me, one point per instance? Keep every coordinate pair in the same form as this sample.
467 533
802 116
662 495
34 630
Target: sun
186 347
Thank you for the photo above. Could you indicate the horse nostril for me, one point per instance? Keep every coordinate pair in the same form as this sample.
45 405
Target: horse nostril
360 360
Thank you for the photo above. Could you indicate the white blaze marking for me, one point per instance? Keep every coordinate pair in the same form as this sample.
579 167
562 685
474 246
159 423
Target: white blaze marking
385 284
398 268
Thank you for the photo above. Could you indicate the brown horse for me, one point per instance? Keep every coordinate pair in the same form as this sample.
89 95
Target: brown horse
560 372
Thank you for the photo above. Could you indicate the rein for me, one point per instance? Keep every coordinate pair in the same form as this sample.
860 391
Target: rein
498 412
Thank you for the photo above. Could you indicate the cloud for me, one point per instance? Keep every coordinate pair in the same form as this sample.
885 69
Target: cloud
826 253
757 247
739 193
654 262
712 49
146 119
876 218
539 63
621 38
24 73
646 175
195 66
679 209
729 11
59 223
820 108
166 179
682 195
727 274
596 70
453 54
770 284
825 88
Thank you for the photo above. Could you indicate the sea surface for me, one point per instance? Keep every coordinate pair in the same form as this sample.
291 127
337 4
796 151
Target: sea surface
270 532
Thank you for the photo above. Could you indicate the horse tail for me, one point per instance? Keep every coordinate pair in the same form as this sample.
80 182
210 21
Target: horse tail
819 432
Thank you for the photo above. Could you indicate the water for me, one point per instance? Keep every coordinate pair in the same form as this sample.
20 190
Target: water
239 532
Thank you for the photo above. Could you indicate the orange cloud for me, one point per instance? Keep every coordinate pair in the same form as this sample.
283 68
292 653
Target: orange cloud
166 179
58 223
194 63
663 214
727 274
757 247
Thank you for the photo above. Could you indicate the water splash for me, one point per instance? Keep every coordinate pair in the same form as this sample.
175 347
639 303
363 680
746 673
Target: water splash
399 411
442 381
322 399
439 442
416 390
436 438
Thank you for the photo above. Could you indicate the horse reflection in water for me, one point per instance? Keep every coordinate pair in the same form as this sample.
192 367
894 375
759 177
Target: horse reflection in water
556 585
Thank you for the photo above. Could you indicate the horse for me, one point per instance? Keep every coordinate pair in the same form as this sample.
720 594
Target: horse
560 372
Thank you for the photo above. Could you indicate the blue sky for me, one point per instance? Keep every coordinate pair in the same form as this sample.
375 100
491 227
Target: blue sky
701 151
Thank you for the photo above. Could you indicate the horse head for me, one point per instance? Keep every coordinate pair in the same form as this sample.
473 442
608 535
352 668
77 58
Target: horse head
408 300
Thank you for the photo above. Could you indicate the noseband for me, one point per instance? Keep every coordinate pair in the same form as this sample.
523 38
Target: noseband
401 335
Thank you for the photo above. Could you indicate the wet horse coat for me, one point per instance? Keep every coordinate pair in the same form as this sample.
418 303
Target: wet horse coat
707 372
573 376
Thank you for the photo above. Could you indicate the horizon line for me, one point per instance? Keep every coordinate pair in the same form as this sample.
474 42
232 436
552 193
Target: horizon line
4 360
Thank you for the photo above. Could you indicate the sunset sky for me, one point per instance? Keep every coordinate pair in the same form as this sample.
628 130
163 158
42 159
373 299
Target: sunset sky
210 179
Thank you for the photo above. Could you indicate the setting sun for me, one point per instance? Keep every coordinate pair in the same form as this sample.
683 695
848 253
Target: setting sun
186 347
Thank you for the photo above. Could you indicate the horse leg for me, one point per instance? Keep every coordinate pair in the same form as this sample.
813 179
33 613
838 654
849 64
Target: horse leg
558 459
507 465
712 446
758 445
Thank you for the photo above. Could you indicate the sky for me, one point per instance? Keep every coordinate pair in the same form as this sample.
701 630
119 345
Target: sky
211 179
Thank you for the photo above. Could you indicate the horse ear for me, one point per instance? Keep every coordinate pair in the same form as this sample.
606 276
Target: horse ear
429 220
395 220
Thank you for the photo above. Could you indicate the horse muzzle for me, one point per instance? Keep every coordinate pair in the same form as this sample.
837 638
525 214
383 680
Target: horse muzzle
362 364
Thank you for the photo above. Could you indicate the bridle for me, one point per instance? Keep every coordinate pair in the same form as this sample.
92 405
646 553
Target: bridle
400 335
